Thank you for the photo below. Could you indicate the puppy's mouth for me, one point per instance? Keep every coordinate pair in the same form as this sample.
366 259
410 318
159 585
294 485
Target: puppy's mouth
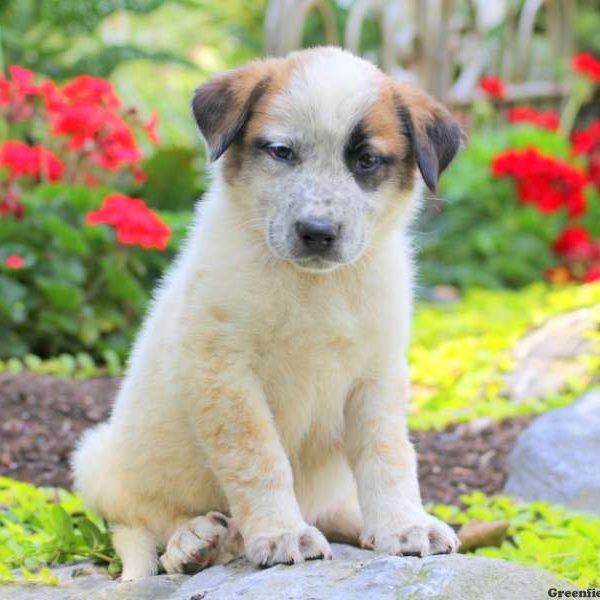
315 264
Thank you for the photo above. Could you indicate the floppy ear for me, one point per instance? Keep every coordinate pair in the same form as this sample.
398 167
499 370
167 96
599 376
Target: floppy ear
224 104
434 135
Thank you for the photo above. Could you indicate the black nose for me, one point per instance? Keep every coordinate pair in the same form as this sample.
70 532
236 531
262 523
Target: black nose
317 234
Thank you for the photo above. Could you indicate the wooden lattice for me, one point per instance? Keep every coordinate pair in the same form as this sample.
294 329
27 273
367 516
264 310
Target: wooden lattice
447 45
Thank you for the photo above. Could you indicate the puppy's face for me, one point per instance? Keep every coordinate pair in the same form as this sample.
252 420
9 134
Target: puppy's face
323 151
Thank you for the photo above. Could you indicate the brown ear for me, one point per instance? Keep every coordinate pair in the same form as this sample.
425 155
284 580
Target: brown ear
435 137
224 104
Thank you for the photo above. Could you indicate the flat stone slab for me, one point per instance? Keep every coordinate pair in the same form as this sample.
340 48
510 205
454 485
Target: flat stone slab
353 574
557 458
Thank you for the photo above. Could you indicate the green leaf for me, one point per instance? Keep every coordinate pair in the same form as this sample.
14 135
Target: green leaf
63 296
62 523
90 532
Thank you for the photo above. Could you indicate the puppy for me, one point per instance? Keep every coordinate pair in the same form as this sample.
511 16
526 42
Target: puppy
264 407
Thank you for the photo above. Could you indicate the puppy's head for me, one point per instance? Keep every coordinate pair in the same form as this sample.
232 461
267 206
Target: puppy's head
324 152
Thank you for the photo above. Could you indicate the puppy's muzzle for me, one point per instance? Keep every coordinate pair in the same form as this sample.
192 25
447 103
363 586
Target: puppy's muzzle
317 237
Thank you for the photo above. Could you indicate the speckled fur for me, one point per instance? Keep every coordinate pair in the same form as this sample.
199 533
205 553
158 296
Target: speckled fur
257 389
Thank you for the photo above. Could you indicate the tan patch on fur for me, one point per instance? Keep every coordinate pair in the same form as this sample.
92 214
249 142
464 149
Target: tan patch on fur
217 313
275 73
423 108
383 125
341 343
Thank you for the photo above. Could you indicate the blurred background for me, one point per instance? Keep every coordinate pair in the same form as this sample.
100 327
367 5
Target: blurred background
101 163
508 68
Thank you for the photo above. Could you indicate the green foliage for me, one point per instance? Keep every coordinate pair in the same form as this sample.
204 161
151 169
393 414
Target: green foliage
461 351
542 535
78 366
60 38
40 527
587 25
172 181
484 237
44 527
79 291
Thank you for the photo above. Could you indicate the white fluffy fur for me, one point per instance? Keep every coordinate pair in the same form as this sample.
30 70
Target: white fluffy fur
267 393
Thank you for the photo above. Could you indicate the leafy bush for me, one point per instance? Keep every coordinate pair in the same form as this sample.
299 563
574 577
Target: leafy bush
69 284
60 37
564 542
78 289
545 222
172 181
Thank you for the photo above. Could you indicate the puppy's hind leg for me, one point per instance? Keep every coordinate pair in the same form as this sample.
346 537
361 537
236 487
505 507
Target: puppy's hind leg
137 549
212 539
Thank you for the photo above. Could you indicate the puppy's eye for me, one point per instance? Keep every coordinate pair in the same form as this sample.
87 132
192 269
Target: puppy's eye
281 152
367 161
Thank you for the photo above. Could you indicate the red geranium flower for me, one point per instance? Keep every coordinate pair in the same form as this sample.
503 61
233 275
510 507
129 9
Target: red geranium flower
5 91
493 87
47 164
575 243
524 114
86 89
592 275
14 261
36 161
135 223
23 84
90 120
585 140
587 64
545 181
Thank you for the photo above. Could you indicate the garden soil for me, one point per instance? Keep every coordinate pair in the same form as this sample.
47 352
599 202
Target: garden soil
42 418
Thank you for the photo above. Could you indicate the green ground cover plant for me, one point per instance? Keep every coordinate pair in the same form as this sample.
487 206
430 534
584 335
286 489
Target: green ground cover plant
540 534
461 351
42 527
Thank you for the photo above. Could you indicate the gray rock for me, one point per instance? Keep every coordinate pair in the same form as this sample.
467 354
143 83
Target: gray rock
557 458
550 356
353 575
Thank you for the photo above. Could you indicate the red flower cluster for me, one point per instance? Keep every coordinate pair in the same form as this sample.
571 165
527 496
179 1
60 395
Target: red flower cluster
22 160
89 117
135 223
581 252
493 87
586 64
547 182
86 111
547 119
575 243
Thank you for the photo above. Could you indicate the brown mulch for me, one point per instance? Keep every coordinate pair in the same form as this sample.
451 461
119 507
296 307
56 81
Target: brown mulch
41 418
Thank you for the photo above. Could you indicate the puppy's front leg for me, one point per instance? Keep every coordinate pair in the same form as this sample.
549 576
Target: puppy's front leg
236 431
384 464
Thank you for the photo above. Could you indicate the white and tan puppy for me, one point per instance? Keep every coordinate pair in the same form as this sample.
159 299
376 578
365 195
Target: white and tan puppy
264 407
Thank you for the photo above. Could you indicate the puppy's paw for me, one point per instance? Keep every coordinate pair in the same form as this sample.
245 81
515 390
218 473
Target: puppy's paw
419 535
198 544
288 547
